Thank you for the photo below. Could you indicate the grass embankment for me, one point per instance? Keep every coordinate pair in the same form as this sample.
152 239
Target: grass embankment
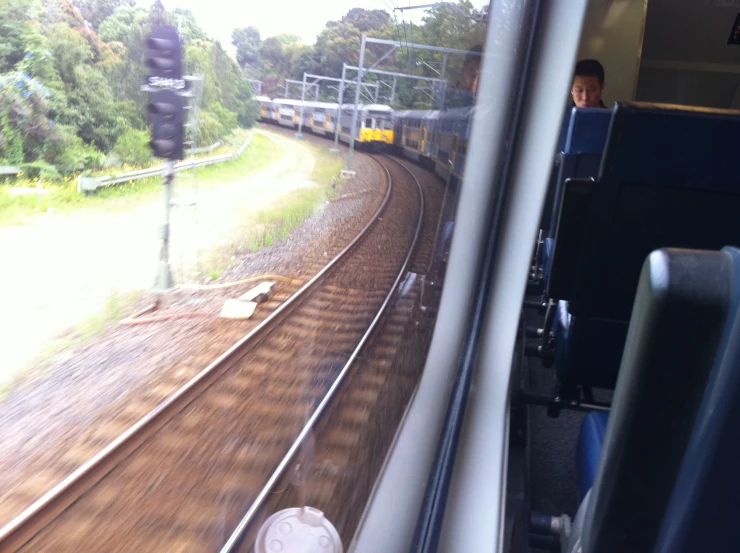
275 223
62 196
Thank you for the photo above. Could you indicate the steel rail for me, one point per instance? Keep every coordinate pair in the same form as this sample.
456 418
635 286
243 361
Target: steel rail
19 530
234 540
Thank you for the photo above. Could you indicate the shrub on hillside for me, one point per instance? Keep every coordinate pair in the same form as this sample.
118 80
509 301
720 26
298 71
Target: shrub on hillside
210 130
133 147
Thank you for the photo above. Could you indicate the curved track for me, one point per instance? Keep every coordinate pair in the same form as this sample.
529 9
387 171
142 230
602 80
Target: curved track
181 477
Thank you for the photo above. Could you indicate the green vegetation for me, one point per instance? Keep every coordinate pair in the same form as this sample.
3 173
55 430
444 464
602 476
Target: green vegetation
70 72
61 195
328 164
275 223
283 56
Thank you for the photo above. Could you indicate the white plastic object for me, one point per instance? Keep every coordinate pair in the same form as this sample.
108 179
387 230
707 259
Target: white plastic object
258 294
235 309
298 530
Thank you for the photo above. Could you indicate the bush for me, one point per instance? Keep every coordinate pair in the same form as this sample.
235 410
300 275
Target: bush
133 147
249 115
210 129
40 169
69 153
227 118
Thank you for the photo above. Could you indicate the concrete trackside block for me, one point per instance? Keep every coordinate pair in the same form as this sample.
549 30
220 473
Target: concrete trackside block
347 175
235 309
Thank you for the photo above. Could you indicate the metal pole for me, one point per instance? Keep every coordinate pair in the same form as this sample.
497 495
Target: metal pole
164 280
442 85
393 91
303 98
377 90
339 109
357 102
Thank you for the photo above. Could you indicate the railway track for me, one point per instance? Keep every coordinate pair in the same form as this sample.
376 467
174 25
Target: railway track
180 478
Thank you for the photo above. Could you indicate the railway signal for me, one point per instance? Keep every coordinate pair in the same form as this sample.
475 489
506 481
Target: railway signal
166 111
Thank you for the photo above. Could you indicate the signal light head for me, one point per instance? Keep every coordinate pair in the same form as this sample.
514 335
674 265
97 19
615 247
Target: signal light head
167 118
164 54
162 44
164 64
166 109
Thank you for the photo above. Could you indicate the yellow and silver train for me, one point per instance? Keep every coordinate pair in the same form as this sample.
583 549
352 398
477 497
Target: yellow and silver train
374 125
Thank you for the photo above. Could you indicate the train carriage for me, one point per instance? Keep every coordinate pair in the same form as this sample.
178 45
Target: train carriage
417 128
373 127
322 117
449 141
267 111
288 112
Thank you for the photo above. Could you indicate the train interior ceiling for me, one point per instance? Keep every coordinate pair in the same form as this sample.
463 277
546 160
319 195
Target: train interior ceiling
618 362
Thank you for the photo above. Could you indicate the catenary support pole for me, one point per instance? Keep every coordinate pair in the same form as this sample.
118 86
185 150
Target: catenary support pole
339 108
357 102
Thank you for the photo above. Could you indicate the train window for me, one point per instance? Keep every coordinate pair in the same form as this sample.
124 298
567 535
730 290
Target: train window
239 318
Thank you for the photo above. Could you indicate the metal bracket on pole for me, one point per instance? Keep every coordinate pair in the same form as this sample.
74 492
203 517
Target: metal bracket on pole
303 101
164 281
256 87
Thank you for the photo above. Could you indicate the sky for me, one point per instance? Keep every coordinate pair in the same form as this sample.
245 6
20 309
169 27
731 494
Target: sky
305 18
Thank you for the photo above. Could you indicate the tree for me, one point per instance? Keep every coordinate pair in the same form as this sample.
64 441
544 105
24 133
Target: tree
122 24
188 25
273 56
339 42
367 21
96 11
247 42
14 24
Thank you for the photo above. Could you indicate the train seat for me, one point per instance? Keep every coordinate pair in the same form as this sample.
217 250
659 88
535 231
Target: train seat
587 350
579 155
668 179
704 509
588 452
684 330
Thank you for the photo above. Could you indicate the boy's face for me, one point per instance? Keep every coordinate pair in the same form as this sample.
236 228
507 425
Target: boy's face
587 91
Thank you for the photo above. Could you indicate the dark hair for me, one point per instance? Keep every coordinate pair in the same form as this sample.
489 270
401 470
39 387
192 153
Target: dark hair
590 68
473 54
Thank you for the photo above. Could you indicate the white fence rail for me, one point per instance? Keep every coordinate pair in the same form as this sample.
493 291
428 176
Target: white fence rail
205 149
90 184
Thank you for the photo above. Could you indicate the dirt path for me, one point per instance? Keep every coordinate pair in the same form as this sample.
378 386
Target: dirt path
63 268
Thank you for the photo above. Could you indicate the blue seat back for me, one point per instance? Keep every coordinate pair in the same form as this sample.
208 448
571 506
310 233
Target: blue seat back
677 331
669 178
587 131
580 145
704 510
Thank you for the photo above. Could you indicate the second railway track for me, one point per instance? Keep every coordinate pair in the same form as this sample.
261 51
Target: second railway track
182 478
